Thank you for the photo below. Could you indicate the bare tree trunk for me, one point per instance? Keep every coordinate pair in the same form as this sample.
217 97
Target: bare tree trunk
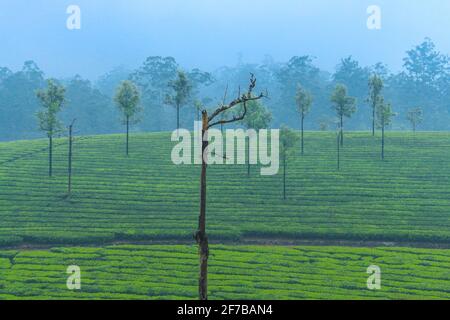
50 155
342 131
128 134
201 237
303 145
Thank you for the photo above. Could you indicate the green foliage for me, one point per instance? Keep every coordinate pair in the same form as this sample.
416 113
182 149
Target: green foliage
303 99
52 100
424 64
95 112
198 105
343 105
127 99
352 75
375 88
288 140
149 199
181 90
415 116
384 114
235 272
258 116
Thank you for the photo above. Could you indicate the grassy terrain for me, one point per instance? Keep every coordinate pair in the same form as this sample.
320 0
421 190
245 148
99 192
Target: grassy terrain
169 272
145 196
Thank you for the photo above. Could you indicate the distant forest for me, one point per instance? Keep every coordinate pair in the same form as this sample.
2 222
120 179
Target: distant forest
424 82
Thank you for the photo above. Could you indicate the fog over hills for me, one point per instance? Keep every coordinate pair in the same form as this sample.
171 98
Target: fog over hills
210 34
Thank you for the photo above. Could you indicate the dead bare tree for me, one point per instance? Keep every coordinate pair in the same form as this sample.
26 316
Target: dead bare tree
209 121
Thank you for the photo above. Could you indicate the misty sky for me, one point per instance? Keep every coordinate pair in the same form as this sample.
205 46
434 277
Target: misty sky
212 33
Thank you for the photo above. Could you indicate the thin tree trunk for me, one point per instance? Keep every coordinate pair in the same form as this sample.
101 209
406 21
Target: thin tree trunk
303 145
201 237
342 131
373 120
338 151
128 134
178 117
50 156
382 141
69 185
248 157
284 175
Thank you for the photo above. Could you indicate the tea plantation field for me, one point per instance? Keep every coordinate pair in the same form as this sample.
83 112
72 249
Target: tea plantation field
145 197
245 272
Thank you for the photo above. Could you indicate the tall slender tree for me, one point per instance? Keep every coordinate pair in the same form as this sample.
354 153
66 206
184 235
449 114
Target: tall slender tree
198 105
384 119
258 117
209 121
343 105
375 88
52 100
127 99
69 171
338 142
415 117
181 92
303 100
288 140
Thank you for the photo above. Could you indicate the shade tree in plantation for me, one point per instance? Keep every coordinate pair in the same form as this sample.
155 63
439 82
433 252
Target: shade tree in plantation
52 99
181 90
375 88
258 117
303 99
127 99
338 148
70 159
354 76
343 105
351 74
210 120
384 119
415 117
288 140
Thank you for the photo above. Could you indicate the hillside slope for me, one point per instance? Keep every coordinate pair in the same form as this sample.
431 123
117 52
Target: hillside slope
145 196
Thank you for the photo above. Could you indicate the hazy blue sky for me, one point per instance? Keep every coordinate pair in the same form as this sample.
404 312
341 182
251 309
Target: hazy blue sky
211 33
